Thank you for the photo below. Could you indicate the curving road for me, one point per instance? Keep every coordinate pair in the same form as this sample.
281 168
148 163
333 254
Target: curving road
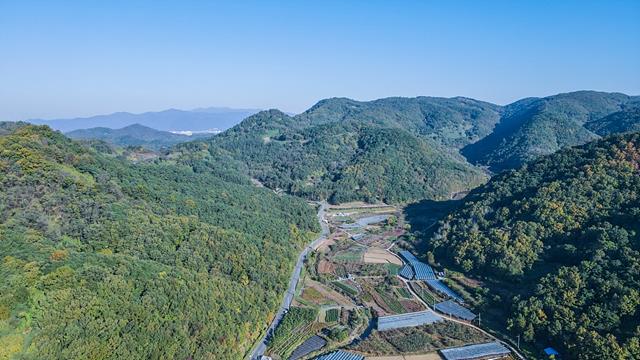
288 297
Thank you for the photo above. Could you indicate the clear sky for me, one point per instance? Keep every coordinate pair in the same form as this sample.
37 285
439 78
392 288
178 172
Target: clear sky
74 58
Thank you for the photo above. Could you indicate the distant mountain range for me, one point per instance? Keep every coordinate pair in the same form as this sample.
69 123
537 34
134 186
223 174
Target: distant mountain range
220 118
136 135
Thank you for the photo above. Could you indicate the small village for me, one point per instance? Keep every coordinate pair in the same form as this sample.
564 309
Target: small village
364 293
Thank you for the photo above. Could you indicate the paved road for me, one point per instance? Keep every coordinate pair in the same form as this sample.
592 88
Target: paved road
288 297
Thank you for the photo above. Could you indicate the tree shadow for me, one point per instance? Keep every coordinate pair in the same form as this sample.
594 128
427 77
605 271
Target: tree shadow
424 216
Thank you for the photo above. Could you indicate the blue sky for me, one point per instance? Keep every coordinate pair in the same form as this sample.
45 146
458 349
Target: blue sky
68 58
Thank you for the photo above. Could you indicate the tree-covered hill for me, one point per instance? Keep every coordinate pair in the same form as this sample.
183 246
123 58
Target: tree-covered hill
626 120
325 152
134 135
534 127
343 160
452 122
562 235
394 149
102 258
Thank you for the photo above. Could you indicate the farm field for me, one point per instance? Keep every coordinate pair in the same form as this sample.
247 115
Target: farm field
380 256
421 339
427 356
352 278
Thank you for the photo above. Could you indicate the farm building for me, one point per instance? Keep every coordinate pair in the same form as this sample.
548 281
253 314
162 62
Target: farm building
340 355
453 309
440 287
407 320
492 350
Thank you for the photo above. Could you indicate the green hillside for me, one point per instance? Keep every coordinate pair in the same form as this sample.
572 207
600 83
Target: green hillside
531 128
134 135
394 149
343 160
627 120
559 240
102 258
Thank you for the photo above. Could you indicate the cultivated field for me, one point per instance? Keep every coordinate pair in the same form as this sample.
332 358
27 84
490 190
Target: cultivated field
380 256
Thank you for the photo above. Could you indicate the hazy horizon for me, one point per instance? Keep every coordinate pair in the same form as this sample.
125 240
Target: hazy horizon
76 59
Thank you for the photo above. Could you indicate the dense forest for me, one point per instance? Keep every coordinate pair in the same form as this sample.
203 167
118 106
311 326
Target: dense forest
344 161
393 150
402 149
534 127
562 234
104 258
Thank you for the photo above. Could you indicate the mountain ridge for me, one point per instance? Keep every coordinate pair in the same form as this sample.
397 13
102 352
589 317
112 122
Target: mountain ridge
166 120
134 135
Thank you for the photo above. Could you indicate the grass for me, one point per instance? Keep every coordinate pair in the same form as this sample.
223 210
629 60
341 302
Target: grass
391 301
392 268
311 294
332 315
404 293
349 256
346 288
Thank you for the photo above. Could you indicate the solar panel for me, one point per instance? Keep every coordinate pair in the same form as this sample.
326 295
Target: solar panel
407 320
475 351
452 308
308 346
409 257
406 272
423 271
440 287
340 355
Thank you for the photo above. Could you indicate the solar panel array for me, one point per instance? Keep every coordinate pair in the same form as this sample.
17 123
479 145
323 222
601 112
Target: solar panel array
423 271
409 257
407 320
340 355
308 346
475 351
440 287
406 272
452 308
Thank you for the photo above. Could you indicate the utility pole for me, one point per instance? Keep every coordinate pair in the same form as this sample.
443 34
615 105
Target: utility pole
479 319
518 341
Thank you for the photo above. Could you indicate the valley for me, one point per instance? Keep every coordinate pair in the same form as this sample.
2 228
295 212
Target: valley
351 281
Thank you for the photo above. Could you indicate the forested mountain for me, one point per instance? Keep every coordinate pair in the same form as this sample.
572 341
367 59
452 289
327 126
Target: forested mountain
561 237
453 122
167 120
534 127
347 157
102 258
403 149
134 135
627 120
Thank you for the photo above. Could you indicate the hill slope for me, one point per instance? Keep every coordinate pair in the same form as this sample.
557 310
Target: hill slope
561 238
343 159
134 135
102 258
626 120
531 128
394 149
